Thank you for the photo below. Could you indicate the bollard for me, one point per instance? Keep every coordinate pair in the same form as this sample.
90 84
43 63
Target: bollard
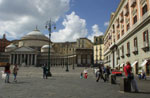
125 85
113 79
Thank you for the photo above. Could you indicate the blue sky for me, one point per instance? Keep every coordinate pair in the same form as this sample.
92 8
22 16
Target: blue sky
75 18
94 11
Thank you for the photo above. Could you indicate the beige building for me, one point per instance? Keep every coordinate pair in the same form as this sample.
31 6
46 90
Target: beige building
127 37
98 49
32 50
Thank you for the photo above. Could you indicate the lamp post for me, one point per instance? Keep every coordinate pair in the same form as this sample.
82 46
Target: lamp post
67 69
73 59
49 25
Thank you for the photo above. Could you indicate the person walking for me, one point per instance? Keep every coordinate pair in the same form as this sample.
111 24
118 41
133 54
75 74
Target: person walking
107 73
100 74
129 75
44 71
7 72
15 71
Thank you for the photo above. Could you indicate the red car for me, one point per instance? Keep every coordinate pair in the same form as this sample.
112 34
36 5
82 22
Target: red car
117 72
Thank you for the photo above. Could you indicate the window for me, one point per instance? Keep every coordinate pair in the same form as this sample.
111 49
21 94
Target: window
135 19
118 36
145 36
135 42
122 50
128 26
128 48
122 32
144 9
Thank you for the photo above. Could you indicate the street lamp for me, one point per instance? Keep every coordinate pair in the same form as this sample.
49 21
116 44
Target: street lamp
73 59
49 25
67 69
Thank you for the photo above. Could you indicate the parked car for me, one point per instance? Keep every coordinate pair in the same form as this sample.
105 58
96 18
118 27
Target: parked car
117 72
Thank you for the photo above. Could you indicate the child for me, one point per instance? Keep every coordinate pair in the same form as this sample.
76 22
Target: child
81 75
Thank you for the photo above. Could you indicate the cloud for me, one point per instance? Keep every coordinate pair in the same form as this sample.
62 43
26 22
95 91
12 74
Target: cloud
18 17
96 32
74 27
106 24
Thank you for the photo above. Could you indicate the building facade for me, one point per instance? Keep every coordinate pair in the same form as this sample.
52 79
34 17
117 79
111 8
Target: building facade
3 43
84 52
98 49
127 37
32 50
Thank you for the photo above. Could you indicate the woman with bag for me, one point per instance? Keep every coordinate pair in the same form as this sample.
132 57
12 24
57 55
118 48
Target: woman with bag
7 72
130 76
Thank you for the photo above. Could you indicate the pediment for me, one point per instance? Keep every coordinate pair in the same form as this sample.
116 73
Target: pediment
24 49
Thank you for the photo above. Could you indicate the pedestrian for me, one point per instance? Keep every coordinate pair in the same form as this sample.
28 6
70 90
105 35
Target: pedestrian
15 71
107 73
100 74
143 75
44 71
85 73
81 75
7 72
130 76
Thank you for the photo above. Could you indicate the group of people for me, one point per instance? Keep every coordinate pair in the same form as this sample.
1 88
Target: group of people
103 73
7 72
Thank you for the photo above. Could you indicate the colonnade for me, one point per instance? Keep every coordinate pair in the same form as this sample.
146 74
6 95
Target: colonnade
27 59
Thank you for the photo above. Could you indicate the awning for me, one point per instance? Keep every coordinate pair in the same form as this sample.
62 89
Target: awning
117 65
134 63
122 65
144 63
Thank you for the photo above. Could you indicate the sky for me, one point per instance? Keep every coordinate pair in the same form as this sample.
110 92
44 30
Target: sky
74 18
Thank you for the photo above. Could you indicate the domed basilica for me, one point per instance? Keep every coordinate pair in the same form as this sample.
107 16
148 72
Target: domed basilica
32 50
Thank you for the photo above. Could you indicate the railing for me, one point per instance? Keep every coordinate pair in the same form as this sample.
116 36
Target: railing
133 2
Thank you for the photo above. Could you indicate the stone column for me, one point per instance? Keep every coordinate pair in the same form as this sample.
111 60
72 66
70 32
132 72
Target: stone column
13 58
31 59
35 60
20 59
28 59
10 58
17 62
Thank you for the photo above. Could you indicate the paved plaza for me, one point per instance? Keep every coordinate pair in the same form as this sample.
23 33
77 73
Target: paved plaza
65 85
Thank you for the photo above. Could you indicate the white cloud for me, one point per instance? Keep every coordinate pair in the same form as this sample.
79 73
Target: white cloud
74 27
106 24
96 32
18 17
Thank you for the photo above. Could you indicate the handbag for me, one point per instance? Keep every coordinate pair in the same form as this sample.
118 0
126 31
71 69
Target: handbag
4 76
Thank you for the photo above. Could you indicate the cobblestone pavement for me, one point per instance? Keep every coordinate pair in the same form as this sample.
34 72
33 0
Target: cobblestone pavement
64 85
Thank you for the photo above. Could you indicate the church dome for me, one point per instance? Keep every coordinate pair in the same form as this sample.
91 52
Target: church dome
35 35
10 47
46 46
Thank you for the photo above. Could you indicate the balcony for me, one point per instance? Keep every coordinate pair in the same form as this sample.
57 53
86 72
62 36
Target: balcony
122 56
128 53
145 46
135 51
121 19
126 12
118 58
133 3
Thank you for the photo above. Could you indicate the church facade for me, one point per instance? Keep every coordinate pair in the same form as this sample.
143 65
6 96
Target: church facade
32 50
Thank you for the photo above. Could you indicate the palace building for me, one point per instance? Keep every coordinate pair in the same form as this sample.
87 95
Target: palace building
127 37
98 48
